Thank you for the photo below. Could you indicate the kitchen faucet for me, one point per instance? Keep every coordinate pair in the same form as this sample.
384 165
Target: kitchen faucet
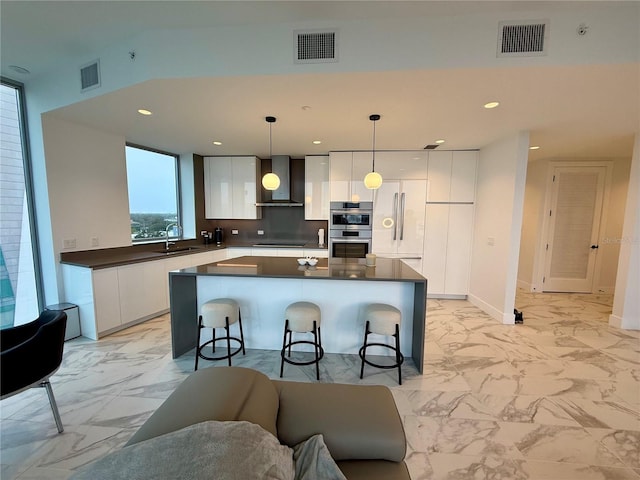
166 234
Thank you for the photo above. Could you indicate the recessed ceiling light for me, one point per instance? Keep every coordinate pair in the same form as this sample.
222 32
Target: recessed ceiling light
491 104
217 142
534 147
20 70
317 142
439 141
142 111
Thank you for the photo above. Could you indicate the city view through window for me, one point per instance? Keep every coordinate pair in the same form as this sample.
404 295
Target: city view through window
153 194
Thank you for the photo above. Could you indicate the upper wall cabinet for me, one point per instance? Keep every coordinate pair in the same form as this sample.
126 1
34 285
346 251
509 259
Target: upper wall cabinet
316 187
230 187
452 177
346 173
402 165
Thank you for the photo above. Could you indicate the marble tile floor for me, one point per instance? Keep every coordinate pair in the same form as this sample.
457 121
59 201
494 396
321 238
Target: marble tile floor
556 398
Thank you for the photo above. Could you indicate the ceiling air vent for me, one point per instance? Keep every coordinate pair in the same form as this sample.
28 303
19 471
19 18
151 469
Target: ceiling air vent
90 76
431 147
523 39
317 46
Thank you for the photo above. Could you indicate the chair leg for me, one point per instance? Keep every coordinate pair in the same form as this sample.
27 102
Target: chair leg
364 348
284 343
54 405
241 332
315 347
213 344
397 335
226 321
198 342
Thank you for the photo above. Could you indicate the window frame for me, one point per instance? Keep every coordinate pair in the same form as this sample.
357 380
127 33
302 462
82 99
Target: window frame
178 192
29 186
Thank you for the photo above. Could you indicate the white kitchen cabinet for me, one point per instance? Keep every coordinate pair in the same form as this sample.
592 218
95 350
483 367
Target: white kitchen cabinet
106 303
316 187
142 290
447 249
316 252
231 187
346 174
452 176
402 165
398 220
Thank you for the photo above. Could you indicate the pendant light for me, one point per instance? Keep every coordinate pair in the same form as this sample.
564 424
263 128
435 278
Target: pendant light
270 181
373 179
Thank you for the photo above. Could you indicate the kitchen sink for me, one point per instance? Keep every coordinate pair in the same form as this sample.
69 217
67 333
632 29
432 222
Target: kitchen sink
178 250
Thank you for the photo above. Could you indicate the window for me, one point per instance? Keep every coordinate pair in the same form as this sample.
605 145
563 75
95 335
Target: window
152 178
20 281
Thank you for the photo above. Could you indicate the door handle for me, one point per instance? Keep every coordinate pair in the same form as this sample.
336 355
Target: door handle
395 215
593 247
402 213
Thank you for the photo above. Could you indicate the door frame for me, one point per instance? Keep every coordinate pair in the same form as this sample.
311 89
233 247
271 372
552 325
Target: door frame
539 264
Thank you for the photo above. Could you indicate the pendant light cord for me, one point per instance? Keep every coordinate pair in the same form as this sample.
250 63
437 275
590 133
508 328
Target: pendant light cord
373 149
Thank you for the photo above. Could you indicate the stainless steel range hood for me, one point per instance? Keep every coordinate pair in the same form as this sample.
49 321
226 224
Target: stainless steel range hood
280 165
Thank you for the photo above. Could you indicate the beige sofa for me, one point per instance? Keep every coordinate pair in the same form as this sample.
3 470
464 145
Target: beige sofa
360 423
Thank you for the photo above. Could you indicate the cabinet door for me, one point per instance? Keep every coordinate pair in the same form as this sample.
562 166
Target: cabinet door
340 176
435 247
264 252
106 297
244 187
218 179
142 288
362 164
439 176
463 176
316 187
411 211
403 165
459 238
386 215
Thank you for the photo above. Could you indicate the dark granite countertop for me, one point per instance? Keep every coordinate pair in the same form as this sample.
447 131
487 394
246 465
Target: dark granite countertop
386 269
114 257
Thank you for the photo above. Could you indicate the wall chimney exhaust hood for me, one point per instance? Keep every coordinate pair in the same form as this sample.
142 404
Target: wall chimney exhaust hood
280 165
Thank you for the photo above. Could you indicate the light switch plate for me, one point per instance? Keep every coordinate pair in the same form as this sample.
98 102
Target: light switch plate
234 232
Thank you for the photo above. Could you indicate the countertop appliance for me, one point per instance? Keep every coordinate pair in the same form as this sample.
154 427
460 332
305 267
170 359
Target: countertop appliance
218 235
350 228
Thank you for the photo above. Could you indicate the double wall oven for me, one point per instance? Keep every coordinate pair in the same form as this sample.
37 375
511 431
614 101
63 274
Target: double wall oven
350 226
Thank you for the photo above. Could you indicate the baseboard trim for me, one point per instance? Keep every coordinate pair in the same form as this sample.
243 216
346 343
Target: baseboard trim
505 318
615 321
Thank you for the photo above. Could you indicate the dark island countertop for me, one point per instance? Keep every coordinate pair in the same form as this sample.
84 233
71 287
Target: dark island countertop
386 269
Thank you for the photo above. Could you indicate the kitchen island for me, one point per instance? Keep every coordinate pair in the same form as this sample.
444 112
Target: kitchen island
264 286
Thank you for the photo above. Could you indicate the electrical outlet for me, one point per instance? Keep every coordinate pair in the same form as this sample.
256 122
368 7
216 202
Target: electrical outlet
203 232
491 241
260 232
95 242
234 232
69 243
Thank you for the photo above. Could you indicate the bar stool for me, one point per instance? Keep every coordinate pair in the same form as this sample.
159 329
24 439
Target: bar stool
382 319
219 313
302 317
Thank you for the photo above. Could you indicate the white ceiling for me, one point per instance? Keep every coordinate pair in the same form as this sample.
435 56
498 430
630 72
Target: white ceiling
572 111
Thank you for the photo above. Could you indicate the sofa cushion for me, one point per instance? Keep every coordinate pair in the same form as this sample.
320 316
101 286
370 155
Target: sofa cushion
356 421
215 393
374 470
220 450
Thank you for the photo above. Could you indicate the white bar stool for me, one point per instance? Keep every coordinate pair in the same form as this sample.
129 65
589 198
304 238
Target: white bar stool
219 313
382 319
302 317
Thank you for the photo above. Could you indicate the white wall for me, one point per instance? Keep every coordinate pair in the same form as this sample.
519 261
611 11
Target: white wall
498 220
87 180
626 302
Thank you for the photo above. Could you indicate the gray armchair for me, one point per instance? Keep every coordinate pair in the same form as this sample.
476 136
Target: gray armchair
30 354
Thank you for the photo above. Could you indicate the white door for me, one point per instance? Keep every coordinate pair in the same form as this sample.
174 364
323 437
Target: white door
386 207
411 209
572 244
